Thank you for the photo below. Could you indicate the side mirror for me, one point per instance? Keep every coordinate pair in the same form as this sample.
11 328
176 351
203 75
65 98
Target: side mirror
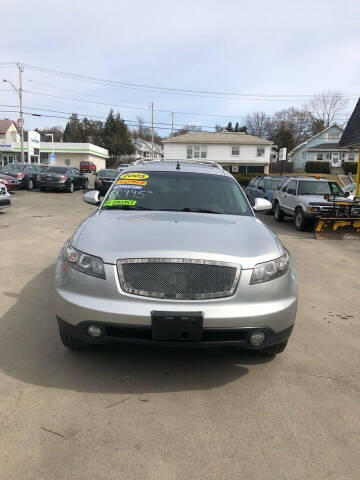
262 205
92 197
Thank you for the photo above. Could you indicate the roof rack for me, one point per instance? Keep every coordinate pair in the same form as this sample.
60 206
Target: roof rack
206 163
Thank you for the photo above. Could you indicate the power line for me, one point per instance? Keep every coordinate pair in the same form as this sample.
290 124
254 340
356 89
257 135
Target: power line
170 90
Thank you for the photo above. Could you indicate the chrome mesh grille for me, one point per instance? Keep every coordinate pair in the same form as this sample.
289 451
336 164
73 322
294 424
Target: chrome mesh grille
182 279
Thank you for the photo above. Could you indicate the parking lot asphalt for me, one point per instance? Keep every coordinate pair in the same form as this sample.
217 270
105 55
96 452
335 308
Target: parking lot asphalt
127 412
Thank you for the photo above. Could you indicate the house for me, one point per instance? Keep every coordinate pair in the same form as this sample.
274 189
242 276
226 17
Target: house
144 149
237 152
9 132
323 147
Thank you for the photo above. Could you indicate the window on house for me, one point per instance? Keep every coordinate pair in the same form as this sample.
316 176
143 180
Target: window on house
351 158
255 169
235 150
196 151
260 152
320 156
328 156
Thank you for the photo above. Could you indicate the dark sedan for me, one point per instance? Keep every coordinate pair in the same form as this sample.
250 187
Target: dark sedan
26 173
10 182
105 179
62 178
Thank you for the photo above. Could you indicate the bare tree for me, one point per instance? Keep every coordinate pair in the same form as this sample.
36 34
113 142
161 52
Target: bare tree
258 124
328 107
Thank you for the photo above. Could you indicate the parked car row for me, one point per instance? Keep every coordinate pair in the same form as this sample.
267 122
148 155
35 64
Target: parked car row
302 198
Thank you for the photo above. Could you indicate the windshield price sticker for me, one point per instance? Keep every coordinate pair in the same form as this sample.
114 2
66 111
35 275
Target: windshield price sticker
134 176
130 182
128 187
110 203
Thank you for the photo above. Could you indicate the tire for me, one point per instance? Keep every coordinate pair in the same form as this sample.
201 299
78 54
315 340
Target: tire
30 184
300 220
273 350
71 188
278 213
72 343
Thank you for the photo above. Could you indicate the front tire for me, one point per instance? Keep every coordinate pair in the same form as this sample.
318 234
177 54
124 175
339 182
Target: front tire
72 343
71 188
278 213
30 184
300 220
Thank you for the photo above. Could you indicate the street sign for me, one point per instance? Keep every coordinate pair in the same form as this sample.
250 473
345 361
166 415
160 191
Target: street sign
282 154
52 158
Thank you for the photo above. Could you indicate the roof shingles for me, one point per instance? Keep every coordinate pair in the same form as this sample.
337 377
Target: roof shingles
218 137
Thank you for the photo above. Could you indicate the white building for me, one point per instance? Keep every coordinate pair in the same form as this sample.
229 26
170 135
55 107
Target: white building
145 149
65 153
237 152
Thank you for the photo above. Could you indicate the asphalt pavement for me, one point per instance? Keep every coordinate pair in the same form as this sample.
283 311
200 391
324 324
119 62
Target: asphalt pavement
127 412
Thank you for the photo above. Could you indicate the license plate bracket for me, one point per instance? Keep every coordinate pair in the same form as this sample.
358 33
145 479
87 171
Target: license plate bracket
177 326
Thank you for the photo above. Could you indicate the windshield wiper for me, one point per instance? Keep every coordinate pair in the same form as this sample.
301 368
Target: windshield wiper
124 207
190 209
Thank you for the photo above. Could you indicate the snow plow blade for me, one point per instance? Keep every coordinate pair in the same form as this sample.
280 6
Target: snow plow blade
337 228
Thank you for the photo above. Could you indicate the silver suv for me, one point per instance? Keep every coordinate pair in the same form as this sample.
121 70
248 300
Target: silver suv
174 255
303 199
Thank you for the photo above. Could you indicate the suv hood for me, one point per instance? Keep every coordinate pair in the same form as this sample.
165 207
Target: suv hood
319 199
112 235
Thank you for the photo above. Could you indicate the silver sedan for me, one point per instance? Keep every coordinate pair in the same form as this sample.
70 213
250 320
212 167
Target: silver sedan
174 255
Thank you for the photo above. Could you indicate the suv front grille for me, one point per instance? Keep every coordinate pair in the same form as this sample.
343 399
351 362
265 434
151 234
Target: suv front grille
179 279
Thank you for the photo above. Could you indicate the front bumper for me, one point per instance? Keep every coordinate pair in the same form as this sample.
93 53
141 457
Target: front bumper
5 202
82 300
142 335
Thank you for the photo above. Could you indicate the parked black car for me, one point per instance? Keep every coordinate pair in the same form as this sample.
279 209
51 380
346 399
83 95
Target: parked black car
62 178
27 174
104 180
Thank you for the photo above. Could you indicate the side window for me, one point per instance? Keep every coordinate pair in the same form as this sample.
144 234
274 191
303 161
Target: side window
76 171
255 184
261 184
285 187
292 188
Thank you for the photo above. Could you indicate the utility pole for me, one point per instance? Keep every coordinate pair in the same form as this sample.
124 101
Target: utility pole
152 130
21 114
172 124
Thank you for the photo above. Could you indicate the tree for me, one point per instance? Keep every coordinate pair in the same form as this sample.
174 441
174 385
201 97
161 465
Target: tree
57 131
229 127
329 107
186 129
243 129
92 131
116 136
297 121
258 124
236 129
73 130
283 137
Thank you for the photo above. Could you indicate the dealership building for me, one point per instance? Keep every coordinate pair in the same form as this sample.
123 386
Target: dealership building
46 153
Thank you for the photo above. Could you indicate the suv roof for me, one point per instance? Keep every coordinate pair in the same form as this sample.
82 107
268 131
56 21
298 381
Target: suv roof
185 166
312 179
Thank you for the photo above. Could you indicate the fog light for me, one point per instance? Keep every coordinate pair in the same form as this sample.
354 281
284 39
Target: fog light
93 331
257 338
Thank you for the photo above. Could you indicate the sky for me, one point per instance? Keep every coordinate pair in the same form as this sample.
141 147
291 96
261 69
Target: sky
293 48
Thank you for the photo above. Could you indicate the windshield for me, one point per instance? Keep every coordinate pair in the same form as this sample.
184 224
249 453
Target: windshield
318 188
272 183
108 173
14 166
349 188
56 170
176 191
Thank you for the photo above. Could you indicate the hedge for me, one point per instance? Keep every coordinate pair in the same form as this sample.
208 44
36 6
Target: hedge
244 179
350 167
317 167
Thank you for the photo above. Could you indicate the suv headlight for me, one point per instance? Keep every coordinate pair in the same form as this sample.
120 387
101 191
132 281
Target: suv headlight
263 272
83 262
